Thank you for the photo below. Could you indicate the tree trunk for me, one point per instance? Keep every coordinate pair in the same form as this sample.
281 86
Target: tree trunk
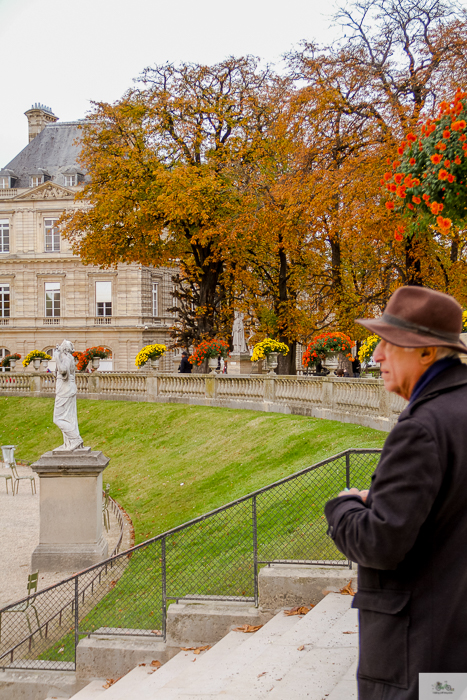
413 271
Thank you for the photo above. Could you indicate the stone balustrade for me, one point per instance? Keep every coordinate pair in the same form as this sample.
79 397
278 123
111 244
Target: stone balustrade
361 401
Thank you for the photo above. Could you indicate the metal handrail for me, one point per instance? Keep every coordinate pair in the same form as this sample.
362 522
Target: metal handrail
102 568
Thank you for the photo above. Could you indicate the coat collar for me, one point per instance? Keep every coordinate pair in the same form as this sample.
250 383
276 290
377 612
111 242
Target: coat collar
450 379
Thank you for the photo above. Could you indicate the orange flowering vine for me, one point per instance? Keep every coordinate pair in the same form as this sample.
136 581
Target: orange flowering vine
431 175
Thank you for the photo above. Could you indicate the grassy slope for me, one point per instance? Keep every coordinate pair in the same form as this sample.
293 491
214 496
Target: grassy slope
218 454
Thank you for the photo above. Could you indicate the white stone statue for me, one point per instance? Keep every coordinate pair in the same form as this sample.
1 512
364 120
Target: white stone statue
238 334
65 413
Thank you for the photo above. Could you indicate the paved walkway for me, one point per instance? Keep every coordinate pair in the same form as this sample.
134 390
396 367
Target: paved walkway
19 536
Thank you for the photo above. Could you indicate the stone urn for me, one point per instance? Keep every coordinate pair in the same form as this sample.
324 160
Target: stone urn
154 363
212 364
95 362
44 365
271 362
12 365
36 363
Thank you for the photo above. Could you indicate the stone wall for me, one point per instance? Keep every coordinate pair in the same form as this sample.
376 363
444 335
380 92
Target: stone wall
361 401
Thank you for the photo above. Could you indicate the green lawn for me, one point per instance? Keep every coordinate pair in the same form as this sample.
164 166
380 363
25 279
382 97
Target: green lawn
218 454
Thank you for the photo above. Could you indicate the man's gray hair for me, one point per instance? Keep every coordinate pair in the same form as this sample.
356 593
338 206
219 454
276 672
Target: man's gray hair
445 352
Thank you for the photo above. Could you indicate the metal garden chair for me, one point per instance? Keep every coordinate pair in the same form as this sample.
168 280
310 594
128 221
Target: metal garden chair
17 479
105 507
8 478
26 605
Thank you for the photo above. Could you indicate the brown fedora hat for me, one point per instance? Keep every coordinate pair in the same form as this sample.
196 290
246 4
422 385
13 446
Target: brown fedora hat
417 317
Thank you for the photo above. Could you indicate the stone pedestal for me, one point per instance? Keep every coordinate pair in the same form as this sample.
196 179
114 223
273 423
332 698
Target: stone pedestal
239 363
70 510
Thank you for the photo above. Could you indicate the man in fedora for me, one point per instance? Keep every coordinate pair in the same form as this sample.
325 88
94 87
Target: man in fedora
408 533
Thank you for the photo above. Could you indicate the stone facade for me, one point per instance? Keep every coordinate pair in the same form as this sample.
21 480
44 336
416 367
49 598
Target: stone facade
46 294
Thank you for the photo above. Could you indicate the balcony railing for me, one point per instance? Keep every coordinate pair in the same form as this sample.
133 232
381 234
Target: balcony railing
8 192
103 320
52 321
4 321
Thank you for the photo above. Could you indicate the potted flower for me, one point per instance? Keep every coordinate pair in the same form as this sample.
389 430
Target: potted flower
10 361
92 355
210 350
150 354
367 349
35 356
327 344
269 349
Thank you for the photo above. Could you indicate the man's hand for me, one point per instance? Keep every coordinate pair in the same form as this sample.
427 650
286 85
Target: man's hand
355 492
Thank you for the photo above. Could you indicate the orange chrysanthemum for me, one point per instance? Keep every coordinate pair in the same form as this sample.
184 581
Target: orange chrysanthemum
435 159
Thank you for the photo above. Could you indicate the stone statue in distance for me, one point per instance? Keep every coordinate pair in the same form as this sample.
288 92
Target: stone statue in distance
65 413
238 334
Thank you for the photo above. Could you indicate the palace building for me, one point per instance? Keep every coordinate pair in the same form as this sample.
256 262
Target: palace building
46 293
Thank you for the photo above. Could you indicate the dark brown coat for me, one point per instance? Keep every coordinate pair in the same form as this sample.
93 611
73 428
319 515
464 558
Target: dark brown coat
410 541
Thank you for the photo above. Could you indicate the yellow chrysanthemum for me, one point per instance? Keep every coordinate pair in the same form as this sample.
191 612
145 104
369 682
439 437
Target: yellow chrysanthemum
149 352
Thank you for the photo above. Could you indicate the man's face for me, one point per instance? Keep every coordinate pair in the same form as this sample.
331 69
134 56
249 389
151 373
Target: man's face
401 368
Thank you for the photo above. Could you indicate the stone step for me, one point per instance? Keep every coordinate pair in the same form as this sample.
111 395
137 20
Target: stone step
275 667
250 659
346 689
200 622
178 665
91 691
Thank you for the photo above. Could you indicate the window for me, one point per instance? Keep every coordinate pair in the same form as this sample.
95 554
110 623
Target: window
103 298
70 180
4 301
52 235
155 299
4 183
52 299
35 180
4 236
3 353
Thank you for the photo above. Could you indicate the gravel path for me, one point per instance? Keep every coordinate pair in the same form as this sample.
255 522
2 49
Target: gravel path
19 536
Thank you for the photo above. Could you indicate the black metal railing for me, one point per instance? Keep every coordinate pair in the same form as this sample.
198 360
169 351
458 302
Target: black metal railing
216 556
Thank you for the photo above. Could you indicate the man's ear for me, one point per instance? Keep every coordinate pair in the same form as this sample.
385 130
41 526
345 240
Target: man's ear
428 355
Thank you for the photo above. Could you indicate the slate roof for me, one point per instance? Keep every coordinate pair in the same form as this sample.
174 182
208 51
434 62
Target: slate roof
54 150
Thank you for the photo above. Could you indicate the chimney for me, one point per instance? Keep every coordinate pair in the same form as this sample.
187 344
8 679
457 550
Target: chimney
38 118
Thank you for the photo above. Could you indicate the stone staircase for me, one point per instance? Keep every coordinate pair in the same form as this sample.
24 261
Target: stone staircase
310 657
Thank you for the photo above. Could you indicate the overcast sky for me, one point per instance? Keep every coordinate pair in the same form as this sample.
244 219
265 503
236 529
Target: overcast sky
64 53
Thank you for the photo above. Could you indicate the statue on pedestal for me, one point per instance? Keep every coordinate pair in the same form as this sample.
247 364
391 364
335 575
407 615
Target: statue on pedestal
238 334
65 413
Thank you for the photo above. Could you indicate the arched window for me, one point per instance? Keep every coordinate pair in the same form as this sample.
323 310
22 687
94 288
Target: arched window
3 353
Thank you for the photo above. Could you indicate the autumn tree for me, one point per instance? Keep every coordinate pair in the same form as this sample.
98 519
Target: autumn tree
160 164
395 59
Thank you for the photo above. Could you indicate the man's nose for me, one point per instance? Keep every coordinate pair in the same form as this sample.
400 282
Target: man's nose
378 354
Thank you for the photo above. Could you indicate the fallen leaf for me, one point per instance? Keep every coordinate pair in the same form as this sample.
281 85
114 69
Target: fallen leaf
196 650
156 632
347 590
261 674
156 663
299 610
301 648
248 628
112 584
110 681
350 632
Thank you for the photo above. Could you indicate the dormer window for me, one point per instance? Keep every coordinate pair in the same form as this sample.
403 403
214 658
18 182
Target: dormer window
70 180
36 180
4 183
